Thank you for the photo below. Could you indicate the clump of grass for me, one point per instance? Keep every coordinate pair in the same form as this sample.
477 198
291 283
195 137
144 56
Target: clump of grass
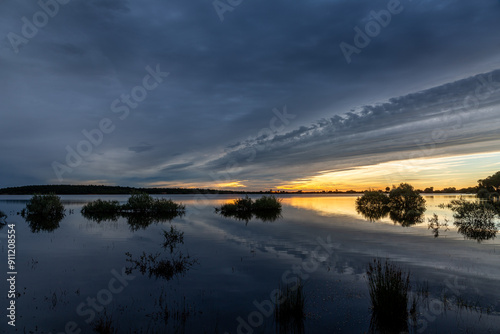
267 203
389 289
104 325
101 207
164 206
239 205
289 307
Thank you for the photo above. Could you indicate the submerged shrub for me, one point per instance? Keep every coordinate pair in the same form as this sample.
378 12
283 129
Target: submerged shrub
266 203
404 204
47 206
139 203
267 208
44 212
389 289
373 205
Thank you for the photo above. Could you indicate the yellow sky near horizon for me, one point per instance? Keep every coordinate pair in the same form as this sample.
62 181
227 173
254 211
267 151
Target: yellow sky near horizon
458 171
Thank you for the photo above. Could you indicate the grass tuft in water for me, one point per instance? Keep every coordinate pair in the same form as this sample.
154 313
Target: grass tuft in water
104 325
289 308
389 288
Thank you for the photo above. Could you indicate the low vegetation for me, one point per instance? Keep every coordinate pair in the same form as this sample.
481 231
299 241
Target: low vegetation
137 203
157 264
475 220
104 325
44 212
266 208
374 205
100 207
141 210
49 207
389 288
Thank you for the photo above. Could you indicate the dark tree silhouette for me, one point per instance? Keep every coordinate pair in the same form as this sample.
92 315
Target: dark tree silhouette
491 183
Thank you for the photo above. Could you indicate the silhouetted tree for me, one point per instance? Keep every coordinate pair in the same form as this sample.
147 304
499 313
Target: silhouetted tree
491 183
406 204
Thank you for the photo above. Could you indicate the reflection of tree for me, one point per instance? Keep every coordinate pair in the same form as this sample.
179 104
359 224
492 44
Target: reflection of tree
266 208
139 221
407 205
265 216
155 264
406 219
100 217
404 205
474 219
38 224
373 205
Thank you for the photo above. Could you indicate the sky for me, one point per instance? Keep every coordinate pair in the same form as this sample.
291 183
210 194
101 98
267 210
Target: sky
249 95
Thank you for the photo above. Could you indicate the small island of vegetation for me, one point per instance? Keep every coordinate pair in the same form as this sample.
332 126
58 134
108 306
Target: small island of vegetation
266 208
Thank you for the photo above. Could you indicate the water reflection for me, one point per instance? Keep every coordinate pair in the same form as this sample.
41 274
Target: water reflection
38 224
141 210
265 216
403 205
43 213
157 264
136 221
435 225
373 205
475 220
266 208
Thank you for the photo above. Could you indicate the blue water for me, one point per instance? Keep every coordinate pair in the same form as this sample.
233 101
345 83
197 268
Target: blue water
71 277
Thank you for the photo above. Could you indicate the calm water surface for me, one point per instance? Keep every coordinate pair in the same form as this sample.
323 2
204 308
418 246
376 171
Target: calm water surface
72 276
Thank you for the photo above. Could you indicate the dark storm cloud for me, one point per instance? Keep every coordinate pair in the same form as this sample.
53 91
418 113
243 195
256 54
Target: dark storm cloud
225 80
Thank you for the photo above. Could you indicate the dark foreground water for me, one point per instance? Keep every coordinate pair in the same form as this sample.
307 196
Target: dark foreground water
75 275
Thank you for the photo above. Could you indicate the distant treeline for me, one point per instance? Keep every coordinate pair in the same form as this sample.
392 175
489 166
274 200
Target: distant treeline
102 190
116 190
